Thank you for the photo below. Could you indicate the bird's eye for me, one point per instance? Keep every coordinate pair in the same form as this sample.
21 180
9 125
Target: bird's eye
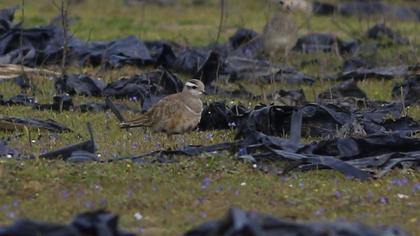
193 87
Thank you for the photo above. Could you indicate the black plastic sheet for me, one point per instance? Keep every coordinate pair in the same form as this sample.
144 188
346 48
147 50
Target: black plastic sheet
98 223
217 115
240 223
342 90
79 84
408 90
12 123
324 42
368 9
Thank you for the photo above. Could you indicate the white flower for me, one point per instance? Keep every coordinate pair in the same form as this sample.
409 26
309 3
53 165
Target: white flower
402 196
138 216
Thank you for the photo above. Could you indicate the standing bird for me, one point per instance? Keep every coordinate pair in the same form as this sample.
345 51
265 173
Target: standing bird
280 33
175 114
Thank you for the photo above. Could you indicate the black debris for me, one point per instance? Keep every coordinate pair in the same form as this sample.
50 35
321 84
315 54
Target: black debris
385 35
241 37
293 97
12 123
342 90
79 84
217 115
97 223
324 42
238 222
389 72
261 71
147 88
408 90
367 9
81 152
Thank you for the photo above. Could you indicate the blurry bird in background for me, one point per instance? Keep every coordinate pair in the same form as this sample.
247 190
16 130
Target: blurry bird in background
280 33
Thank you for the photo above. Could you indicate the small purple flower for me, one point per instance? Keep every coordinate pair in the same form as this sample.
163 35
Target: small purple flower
103 202
320 211
203 214
383 200
134 146
370 194
206 183
65 194
81 193
416 188
140 230
209 136
199 201
4 207
158 146
11 214
302 185
399 182
147 138
338 194
237 192
88 204
16 203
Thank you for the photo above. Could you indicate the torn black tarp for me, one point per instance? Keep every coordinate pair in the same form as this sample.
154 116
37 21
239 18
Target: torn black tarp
147 88
342 90
79 84
97 223
324 42
408 90
240 223
81 152
20 99
368 9
217 115
389 72
292 97
241 37
385 35
7 16
318 120
13 123
116 53
44 45
239 68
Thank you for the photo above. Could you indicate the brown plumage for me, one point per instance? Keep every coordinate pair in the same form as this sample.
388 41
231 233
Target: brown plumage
175 114
280 34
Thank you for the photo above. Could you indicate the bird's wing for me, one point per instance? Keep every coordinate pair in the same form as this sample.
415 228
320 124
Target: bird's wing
161 110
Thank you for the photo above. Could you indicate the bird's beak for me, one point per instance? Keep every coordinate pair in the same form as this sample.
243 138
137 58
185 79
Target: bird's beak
204 92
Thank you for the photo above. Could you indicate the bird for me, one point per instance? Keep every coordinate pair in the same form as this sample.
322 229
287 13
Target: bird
281 32
174 114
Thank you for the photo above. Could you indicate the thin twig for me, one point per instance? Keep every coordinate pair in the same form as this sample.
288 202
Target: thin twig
222 16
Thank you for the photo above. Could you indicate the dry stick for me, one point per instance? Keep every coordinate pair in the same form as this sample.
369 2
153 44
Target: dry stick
64 23
23 74
222 15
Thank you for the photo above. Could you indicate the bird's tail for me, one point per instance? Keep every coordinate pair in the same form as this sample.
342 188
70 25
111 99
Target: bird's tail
141 121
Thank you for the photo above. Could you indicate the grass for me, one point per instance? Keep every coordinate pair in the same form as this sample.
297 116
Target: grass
173 198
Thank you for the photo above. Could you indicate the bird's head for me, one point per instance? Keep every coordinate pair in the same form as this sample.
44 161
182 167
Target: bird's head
194 87
294 5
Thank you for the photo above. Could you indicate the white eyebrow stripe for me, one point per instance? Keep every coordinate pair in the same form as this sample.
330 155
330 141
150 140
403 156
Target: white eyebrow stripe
189 84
